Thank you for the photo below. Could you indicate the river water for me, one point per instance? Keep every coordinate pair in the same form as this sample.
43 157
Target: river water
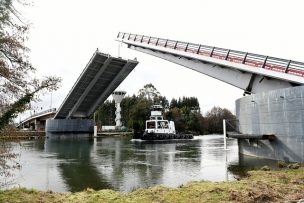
124 164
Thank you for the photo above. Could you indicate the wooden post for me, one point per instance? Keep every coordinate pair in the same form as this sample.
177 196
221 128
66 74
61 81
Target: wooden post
224 134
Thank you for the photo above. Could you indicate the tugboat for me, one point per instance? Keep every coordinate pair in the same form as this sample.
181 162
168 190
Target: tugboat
159 129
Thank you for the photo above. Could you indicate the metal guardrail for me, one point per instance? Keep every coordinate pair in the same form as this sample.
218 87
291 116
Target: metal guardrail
250 59
43 112
35 115
38 114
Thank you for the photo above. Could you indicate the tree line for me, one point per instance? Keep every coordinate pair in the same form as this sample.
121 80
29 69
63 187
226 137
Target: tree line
185 112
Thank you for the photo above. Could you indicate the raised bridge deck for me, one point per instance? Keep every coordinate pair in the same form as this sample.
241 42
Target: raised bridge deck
241 69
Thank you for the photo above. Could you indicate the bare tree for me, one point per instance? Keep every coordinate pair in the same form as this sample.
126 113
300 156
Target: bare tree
17 85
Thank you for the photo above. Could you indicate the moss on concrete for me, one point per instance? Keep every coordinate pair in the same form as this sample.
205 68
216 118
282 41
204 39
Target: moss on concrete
259 186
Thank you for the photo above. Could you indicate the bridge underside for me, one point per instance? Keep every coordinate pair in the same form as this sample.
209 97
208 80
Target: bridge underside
102 75
248 81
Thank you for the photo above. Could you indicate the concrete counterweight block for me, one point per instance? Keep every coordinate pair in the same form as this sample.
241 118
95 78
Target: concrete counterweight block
277 112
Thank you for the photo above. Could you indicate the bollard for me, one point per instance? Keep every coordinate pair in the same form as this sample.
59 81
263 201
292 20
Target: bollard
95 130
224 134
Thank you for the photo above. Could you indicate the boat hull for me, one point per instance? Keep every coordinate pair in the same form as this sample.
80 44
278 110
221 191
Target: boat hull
164 136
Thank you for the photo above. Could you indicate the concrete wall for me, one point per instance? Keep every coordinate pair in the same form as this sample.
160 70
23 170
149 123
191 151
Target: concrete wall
278 112
69 126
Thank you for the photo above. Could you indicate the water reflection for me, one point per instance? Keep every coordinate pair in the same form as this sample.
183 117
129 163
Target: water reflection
124 164
246 163
76 168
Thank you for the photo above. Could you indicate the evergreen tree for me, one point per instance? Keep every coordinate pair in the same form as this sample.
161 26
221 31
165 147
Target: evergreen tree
105 114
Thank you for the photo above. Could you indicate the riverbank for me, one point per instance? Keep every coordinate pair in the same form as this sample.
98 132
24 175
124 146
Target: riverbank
258 186
22 135
29 135
115 133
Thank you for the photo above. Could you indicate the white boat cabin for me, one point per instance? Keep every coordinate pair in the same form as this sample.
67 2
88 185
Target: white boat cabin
157 124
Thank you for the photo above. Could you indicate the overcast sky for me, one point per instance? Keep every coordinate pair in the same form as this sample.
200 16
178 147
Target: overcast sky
65 34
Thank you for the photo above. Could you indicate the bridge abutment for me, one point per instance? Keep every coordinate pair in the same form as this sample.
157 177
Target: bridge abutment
279 112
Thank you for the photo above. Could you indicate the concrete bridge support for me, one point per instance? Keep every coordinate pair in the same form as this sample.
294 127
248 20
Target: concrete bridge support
278 112
69 126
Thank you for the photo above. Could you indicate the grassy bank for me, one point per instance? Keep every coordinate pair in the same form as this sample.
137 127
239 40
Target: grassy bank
259 186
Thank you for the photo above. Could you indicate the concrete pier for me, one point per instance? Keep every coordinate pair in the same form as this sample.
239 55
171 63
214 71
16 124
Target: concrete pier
69 126
277 112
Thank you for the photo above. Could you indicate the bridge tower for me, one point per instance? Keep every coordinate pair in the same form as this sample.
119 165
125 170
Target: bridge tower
118 96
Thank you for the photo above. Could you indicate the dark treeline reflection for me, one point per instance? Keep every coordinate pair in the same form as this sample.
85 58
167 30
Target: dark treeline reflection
77 168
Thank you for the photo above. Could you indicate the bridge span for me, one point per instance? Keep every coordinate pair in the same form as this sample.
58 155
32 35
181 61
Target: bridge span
254 73
37 120
102 75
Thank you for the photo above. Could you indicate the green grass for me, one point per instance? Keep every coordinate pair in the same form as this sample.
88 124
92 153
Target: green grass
259 186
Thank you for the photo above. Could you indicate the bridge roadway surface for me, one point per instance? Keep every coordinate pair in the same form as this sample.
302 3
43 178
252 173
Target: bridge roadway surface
254 73
102 75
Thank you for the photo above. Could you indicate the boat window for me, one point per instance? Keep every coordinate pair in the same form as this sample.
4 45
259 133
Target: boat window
150 124
152 118
162 124
159 118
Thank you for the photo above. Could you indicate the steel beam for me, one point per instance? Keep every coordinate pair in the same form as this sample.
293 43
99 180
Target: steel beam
248 89
89 87
227 74
109 87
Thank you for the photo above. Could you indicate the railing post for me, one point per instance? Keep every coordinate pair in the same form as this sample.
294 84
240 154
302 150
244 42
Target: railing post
156 41
227 54
149 40
123 36
224 134
129 36
142 39
244 60
186 47
286 70
175 45
198 50
135 38
166 43
212 51
265 62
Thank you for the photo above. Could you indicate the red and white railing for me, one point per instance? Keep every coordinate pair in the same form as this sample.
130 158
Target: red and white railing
250 59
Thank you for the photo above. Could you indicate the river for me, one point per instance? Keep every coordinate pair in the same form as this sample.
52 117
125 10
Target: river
124 164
